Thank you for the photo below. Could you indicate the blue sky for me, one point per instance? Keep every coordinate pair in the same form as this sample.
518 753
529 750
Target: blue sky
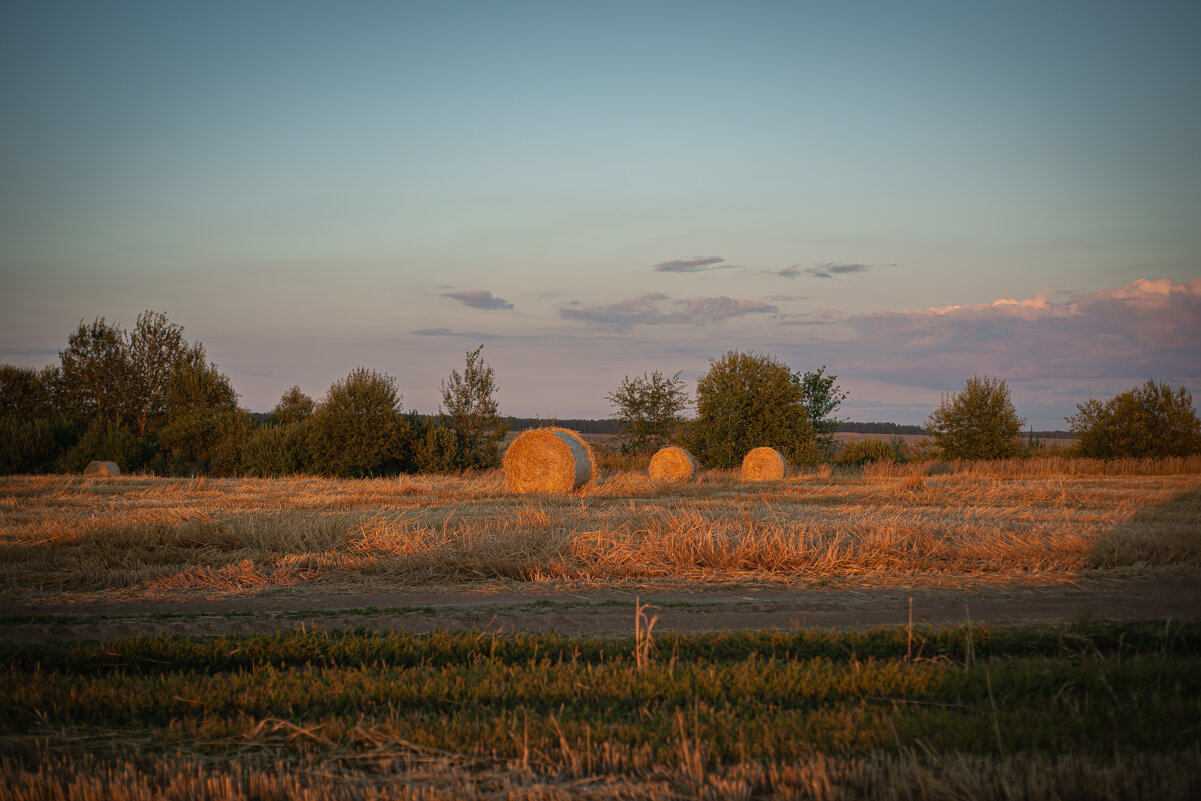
602 189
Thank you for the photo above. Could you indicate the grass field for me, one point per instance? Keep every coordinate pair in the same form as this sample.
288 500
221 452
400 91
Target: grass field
65 537
1091 711
1096 709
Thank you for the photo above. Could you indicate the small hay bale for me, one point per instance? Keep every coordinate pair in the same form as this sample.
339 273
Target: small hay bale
672 464
102 469
548 460
763 464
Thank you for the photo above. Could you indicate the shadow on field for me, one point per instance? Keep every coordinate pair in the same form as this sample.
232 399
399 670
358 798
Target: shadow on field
1158 536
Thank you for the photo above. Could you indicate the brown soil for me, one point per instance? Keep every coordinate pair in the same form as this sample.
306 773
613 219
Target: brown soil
609 612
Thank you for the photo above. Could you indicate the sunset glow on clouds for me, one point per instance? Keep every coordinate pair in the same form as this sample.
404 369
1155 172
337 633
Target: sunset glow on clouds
588 191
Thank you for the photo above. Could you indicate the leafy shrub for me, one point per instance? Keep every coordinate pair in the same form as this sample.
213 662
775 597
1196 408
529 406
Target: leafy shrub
650 410
1151 420
744 402
293 406
860 452
978 422
278 450
208 441
28 446
436 449
358 430
473 414
105 443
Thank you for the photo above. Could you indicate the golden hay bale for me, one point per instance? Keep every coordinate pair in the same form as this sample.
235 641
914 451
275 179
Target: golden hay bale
102 469
672 464
548 460
763 464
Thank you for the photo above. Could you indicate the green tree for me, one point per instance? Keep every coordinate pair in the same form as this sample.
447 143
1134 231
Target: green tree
358 429
27 393
821 397
94 375
279 450
293 406
978 422
1151 420
747 401
206 442
650 410
472 413
139 379
860 452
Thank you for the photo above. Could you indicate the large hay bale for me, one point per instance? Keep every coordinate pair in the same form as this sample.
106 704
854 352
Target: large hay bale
548 460
102 469
763 464
672 464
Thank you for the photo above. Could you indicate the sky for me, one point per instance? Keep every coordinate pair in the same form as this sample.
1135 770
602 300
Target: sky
907 193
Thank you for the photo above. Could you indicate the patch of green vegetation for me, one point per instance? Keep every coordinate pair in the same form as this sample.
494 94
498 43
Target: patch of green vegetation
1105 693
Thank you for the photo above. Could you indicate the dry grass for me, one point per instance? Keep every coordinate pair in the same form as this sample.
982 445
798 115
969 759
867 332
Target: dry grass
405 771
63 536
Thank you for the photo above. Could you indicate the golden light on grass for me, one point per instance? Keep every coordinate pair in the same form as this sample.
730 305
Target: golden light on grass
764 464
672 464
71 537
548 460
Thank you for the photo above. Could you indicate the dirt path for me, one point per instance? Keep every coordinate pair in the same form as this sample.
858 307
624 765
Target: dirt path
609 612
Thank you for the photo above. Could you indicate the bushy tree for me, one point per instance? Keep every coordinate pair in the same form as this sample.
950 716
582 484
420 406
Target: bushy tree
747 401
650 410
860 452
358 429
278 450
978 422
206 442
435 448
293 406
27 393
105 442
138 379
472 413
1151 420
94 375
821 397
28 445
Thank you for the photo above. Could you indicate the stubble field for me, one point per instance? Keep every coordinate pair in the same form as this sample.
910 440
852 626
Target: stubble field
439 637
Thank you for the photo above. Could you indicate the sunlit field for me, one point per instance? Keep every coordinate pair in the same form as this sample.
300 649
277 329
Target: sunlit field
146 537
1091 709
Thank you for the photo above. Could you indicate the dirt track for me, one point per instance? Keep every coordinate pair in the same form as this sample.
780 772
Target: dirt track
609 612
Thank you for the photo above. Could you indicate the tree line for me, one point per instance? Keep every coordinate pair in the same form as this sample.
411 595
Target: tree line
147 398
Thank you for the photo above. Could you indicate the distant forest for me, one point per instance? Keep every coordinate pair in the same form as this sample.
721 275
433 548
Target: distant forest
613 427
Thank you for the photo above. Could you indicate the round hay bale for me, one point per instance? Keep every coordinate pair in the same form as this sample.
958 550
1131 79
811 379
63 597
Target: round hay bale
672 464
763 464
102 469
548 460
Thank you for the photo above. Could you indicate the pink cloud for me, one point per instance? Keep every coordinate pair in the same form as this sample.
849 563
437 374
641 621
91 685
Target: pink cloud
646 310
1145 329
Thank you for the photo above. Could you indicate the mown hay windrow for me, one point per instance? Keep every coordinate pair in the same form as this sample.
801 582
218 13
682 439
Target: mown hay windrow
102 469
763 464
672 464
548 460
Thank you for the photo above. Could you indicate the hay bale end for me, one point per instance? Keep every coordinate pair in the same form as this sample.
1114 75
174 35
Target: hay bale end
672 464
764 464
102 469
548 460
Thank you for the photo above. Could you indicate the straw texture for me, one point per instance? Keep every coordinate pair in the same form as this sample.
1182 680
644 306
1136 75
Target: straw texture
672 464
102 469
763 464
548 460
